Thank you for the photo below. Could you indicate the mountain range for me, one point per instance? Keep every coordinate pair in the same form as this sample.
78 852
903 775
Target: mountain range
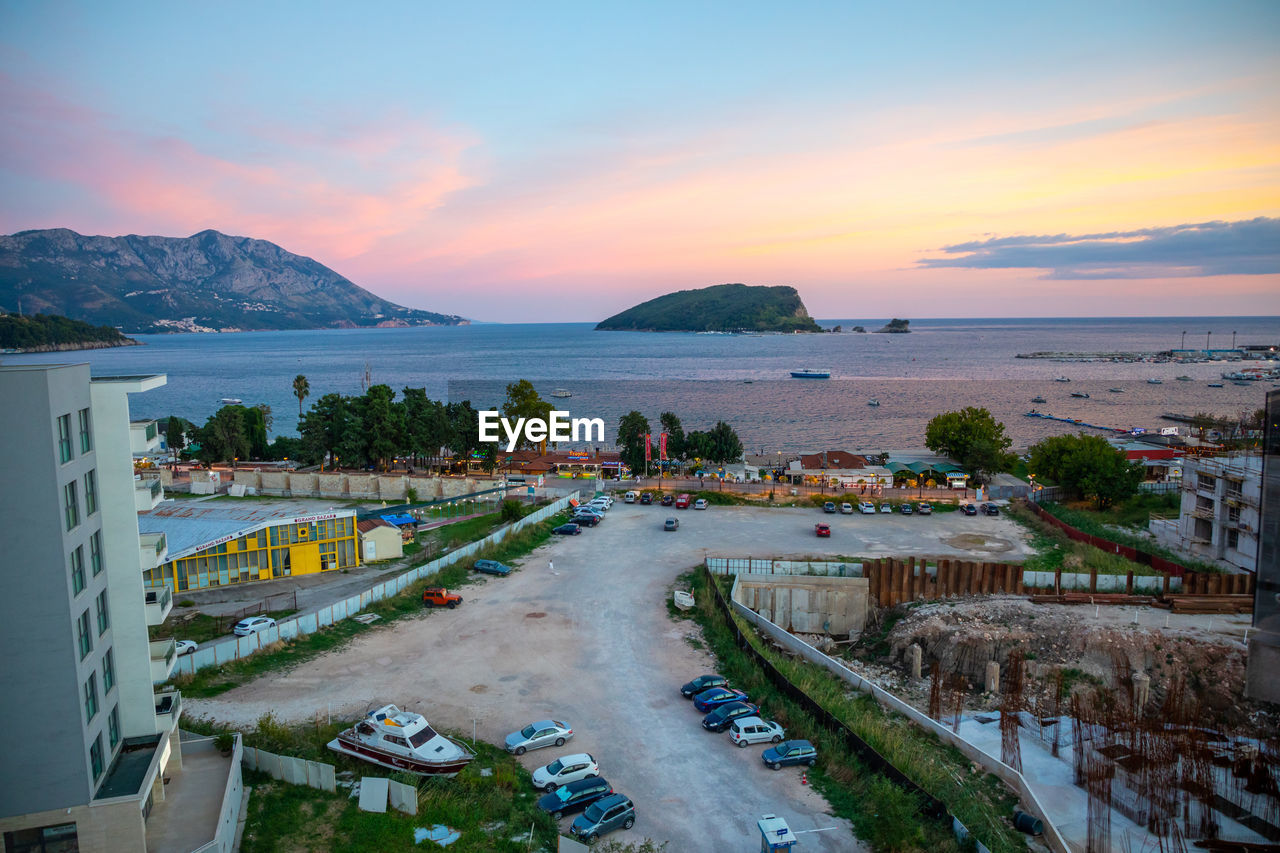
206 282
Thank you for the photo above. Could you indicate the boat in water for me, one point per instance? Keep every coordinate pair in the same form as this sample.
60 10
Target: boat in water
873 402
810 374
1116 390
562 392
1062 379
1183 378
1155 381
1082 395
1039 400
402 740
1215 384
231 401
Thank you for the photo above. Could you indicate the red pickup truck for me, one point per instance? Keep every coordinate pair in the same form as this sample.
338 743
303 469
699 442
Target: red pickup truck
438 596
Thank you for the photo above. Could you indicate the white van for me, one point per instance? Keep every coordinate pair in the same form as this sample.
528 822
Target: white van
630 497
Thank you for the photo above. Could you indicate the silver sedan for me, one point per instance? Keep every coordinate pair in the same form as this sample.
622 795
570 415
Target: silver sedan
539 734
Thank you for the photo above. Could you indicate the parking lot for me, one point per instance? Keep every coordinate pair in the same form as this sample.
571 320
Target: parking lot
590 642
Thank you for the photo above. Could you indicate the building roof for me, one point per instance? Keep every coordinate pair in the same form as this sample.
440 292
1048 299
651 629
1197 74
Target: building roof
189 527
371 524
832 459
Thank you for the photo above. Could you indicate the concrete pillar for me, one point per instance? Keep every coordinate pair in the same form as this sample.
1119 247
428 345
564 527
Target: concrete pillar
993 677
913 659
1141 688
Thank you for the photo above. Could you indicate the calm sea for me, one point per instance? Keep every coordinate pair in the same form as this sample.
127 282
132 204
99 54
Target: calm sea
941 365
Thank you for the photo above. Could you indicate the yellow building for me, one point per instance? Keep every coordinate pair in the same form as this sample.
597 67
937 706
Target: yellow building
202 545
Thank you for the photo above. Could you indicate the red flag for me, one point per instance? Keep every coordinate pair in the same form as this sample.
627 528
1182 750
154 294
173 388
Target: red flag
648 451
662 447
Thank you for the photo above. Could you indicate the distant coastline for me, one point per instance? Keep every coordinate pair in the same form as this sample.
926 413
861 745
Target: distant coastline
127 342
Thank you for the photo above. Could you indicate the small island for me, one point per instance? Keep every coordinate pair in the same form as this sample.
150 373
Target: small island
724 308
894 327
54 333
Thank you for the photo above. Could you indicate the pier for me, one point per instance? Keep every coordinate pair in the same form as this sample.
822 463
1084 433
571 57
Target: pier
1074 422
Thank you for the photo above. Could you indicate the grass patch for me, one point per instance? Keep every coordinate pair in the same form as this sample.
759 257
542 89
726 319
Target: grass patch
1134 513
215 680
1055 550
883 815
489 811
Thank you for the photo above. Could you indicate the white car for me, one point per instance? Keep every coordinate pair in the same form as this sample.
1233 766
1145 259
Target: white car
846 509
886 507
566 769
186 647
700 503
745 730
867 508
600 505
253 625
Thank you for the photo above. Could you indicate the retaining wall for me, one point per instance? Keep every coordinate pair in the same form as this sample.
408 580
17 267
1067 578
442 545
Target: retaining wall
308 623
385 487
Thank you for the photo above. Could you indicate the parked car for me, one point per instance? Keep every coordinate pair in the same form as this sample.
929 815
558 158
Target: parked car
717 696
747 730
720 718
703 682
846 509
604 815
593 511
700 503
585 519
185 647
671 524
990 509
969 509
905 509
886 507
828 507
569 529
866 508
924 509
574 797
253 625
565 769
682 501
822 530
629 497
537 735
491 567
646 498
790 752
438 596
667 500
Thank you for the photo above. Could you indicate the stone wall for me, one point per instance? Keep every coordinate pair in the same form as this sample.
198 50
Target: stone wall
810 605
381 487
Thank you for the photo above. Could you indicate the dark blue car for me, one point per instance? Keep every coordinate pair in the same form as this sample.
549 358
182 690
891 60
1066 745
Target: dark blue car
574 797
717 696
491 567
790 752
719 719
701 683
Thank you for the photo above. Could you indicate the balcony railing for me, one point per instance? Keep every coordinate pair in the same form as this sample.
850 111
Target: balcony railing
159 602
164 654
169 707
154 548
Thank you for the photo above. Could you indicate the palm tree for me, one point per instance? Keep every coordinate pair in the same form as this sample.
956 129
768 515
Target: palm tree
301 388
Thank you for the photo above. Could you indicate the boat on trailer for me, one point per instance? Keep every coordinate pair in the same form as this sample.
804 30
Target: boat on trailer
402 740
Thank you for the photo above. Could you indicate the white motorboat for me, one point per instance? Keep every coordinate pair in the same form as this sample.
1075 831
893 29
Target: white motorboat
807 373
562 392
231 401
402 740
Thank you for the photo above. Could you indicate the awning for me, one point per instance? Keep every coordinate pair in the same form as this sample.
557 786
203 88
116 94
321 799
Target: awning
399 520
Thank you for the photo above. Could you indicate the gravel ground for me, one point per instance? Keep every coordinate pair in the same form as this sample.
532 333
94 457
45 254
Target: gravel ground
590 642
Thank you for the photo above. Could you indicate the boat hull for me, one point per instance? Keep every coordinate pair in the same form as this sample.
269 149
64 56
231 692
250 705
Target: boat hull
356 749
810 374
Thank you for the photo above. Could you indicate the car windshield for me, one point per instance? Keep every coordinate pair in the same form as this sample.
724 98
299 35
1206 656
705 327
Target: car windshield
593 813
527 731
555 767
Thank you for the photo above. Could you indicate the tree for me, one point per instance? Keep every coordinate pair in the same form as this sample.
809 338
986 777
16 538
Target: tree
1087 464
383 425
223 437
523 401
426 427
974 439
324 427
175 434
301 389
697 446
675 435
723 444
632 429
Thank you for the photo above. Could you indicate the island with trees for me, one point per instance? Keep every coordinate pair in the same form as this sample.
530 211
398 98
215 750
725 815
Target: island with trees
54 333
894 327
720 308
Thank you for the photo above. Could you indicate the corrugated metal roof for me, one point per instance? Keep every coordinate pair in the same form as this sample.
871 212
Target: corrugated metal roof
190 527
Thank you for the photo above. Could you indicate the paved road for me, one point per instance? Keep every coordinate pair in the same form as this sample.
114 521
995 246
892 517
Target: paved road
591 643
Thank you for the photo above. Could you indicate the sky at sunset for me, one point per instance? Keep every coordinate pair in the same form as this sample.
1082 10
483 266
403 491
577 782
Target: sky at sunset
561 162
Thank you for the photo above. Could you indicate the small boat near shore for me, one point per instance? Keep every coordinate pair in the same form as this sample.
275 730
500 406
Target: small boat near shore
808 373
873 402
1116 390
1062 379
1155 381
231 401
1039 400
562 392
402 740
1215 384
1080 394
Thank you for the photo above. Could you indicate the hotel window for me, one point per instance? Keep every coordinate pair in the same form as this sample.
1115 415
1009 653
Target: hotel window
95 552
95 757
71 505
104 618
64 438
108 672
84 639
91 698
45 839
1233 539
77 570
113 726
86 432
91 493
